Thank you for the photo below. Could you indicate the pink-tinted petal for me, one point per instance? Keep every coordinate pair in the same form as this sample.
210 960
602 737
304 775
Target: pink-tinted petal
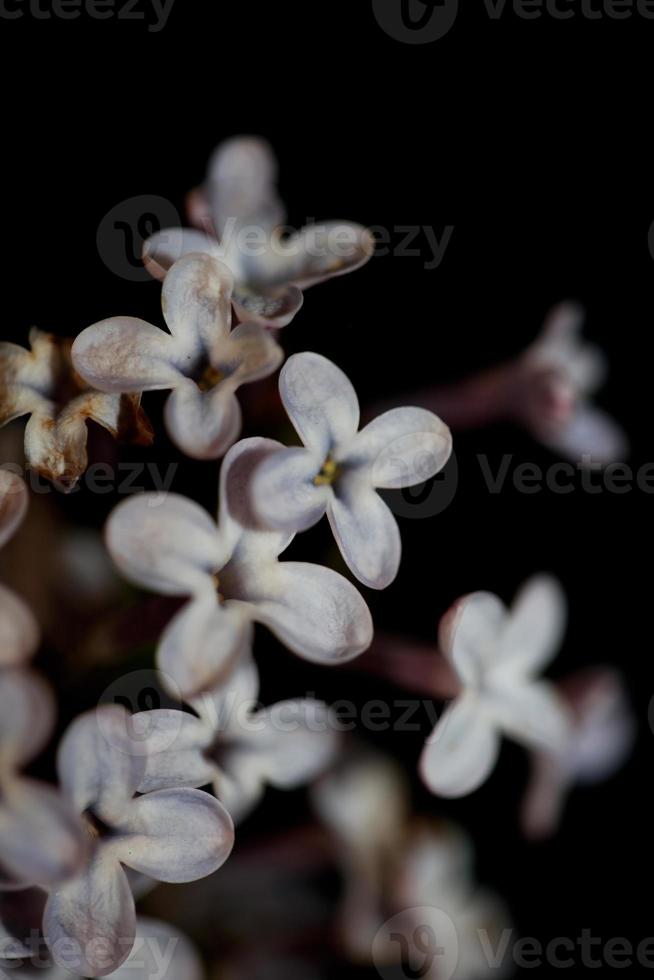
403 447
320 402
462 750
366 532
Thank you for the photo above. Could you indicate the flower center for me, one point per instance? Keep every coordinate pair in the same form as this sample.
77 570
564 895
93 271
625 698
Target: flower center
328 473
95 826
209 378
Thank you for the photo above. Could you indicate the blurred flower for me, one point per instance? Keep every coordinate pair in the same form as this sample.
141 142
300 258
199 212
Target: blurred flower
19 631
43 384
41 840
202 360
237 745
168 544
340 469
241 218
602 736
497 654
175 835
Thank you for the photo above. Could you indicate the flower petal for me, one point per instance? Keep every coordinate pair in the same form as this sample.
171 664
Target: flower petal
160 952
41 840
297 742
203 424
124 354
320 402
316 253
366 532
241 187
27 717
403 447
14 498
163 249
462 750
532 714
534 627
90 922
269 306
223 707
19 631
469 634
100 766
284 491
176 835
197 304
175 756
249 354
590 433
165 542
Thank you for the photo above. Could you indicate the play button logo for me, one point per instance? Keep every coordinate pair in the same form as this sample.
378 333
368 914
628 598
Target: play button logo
416 21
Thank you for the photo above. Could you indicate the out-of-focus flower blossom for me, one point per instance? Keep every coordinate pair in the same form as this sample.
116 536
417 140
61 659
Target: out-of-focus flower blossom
236 744
602 736
339 469
42 383
241 218
202 360
19 632
41 840
168 544
175 835
497 654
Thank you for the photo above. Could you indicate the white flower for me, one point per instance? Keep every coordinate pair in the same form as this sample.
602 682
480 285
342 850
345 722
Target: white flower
496 654
42 383
242 217
560 373
19 632
175 835
237 745
202 360
340 469
170 545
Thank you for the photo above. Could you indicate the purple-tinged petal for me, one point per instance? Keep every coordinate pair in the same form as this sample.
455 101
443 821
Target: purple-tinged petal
320 402
591 434
402 447
27 717
366 532
285 493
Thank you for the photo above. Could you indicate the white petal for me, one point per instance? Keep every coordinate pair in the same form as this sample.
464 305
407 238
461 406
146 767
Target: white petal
197 304
269 306
164 542
19 631
27 717
222 707
532 714
319 252
160 953
89 923
14 499
124 355
99 765
403 447
176 835
163 249
175 745
314 611
534 627
241 183
590 433
366 532
284 492
249 354
320 402
203 424
298 742
469 634
462 750
41 840
200 646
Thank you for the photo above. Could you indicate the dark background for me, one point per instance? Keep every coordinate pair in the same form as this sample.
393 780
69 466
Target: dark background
530 138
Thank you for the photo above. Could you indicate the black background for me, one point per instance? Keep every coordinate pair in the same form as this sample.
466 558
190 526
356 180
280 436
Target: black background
531 139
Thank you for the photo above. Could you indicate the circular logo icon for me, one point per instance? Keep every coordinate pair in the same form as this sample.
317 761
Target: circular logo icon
427 498
416 21
420 943
124 230
143 694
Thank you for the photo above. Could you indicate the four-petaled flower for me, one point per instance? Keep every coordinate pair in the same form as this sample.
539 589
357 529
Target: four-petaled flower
175 835
169 544
42 383
202 360
241 218
19 632
496 654
340 468
236 744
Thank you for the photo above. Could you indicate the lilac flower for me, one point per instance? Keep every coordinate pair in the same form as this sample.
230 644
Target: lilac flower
19 632
42 383
241 218
496 654
175 835
202 360
339 469
232 574
237 745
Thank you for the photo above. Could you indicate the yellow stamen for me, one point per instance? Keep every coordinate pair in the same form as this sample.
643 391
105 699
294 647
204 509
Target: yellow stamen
210 378
327 474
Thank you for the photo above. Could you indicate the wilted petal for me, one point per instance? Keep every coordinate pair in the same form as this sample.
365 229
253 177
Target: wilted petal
203 424
590 433
197 304
320 401
176 835
164 542
532 714
469 634
124 354
19 631
90 922
533 629
462 750
322 251
285 493
14 499
100 764
164 248
269 306
366 532
160 953
403 447
27 717
200 646
314 611
248 354
41 840
176 743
